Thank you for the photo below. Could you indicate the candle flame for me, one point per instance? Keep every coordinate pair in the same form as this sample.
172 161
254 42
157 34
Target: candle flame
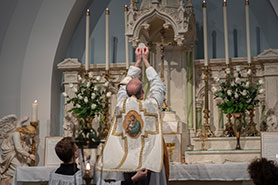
225 1
204 1
88 166
88 10
35 101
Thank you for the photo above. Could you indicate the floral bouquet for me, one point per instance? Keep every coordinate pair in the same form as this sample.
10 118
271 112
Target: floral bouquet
90 100
236 93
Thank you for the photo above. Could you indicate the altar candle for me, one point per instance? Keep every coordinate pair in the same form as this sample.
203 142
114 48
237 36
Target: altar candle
247 31
126 40
204 5
35 111
87 40
226 32
107 39
88 168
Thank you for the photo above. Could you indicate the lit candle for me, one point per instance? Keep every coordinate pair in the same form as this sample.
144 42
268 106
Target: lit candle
87 40
88 168
247 31
226 32
35 111
204 5
107 39
126 41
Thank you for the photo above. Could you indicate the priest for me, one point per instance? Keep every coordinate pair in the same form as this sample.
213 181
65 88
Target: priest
135 139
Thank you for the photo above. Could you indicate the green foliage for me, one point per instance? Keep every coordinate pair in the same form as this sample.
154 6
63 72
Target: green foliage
90 100
237 94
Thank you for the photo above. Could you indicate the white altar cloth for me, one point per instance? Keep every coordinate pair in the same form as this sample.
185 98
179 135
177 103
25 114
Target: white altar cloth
209 172
39 174
178 172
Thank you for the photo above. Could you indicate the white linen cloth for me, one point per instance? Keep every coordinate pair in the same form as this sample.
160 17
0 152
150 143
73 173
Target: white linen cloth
124 152
39 174
76 179
235 171
178 172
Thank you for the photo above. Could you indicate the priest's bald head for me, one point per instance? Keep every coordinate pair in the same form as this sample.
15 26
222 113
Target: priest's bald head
135 88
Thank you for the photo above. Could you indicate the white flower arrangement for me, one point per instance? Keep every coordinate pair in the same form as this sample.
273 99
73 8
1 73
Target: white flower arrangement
90 100
237 94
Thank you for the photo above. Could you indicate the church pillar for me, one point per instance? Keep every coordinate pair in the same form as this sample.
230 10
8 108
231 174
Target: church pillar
70 83
198 115
189 88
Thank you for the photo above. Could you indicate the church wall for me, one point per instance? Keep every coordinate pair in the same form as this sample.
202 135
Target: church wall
15 33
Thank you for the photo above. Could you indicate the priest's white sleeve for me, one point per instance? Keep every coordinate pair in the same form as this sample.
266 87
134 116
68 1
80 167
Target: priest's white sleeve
157 89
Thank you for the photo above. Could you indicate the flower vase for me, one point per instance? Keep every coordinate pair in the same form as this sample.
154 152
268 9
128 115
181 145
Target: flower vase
237 128
87 137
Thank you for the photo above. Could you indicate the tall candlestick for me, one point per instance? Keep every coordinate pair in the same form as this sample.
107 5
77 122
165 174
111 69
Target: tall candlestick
247 31
34 117
107 39
87 40
226 32
126 41
204 5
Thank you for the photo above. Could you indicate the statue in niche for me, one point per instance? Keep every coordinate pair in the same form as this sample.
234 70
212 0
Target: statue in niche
17 142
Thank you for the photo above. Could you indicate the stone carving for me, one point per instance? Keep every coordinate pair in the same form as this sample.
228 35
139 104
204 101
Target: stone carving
172 14
16 145
272 118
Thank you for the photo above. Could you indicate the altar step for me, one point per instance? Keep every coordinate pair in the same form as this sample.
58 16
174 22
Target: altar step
222 149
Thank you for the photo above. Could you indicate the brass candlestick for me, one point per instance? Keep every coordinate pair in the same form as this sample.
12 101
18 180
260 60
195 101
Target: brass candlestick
107 114
165 107
229 131
251 129
87 177
34 142
205 131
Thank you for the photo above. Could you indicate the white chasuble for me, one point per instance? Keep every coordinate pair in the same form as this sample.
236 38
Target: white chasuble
135 137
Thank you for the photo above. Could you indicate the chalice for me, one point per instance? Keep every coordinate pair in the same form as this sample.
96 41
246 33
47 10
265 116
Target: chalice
170 148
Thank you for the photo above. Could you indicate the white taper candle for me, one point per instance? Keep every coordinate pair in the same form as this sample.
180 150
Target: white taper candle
247 31
87 40
126 41
204 5
34 117
107 39
226 32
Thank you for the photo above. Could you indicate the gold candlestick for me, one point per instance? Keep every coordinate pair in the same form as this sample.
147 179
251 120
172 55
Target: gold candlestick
251 129
229 131
205 131
34 142
107 114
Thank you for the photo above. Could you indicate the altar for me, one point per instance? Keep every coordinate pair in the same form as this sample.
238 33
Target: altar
195 174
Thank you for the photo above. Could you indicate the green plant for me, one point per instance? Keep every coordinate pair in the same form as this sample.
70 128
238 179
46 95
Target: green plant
236 92
90 100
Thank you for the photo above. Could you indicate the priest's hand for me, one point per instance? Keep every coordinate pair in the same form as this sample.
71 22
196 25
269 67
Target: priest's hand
140 175
138 53
145 56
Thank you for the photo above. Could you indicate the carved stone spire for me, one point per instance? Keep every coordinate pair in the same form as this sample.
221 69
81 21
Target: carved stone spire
154 15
